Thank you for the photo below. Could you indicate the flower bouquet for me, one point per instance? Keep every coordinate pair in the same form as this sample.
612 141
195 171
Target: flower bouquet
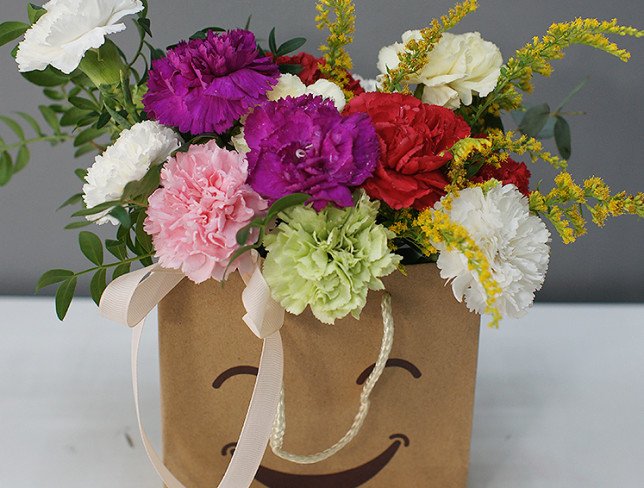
250 180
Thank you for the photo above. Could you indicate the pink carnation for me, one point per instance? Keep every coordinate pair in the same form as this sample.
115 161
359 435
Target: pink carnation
196 214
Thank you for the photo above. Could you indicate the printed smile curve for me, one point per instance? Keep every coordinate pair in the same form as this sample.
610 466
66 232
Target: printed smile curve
350 478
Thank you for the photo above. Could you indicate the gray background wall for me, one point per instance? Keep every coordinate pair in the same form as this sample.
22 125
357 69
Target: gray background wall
605 265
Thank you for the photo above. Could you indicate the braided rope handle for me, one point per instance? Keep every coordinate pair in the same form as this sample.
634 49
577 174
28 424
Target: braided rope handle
279 426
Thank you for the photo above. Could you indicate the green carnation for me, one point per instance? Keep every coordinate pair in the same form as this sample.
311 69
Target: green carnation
329 259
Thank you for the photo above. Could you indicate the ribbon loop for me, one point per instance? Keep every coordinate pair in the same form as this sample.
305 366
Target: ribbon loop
130 298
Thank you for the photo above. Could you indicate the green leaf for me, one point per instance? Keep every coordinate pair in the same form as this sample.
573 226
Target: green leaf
243 235
89 119
562 137
247 25
97 285
145 25
81 173
48 77
570 96
88 135
71 116
548 131
73 200
82 103
78 225
290 46
85 149
121 269
33 123
53 94
91 247
52 277
142 238
292 69
534 120
103 120
50 117
11 30
64 296
101 207
6 168
116 249
145 186
285 203
35 12
22 159
122 215
271 41
201 34
14 126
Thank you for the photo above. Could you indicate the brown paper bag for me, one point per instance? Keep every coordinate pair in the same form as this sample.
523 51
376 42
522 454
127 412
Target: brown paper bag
417 433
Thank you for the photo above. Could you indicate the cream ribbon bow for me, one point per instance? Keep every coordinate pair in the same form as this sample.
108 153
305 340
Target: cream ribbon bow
130 298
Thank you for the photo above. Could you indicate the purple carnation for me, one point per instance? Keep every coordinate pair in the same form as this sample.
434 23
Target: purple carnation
205 85
304 145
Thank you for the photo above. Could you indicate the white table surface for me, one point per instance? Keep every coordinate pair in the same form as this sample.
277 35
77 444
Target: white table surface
559 402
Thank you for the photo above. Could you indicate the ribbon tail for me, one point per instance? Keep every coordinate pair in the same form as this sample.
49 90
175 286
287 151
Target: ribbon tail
257 426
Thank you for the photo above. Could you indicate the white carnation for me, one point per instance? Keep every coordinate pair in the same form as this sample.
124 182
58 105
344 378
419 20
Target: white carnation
291 86
515 242
63 35
367 84
459 67
128 159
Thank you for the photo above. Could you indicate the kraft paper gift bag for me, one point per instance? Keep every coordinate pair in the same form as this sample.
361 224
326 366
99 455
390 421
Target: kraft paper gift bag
417 432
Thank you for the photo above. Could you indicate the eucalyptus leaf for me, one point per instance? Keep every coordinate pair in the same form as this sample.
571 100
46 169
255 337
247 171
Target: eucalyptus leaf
64 297
52 277
563 138
91 247
534 120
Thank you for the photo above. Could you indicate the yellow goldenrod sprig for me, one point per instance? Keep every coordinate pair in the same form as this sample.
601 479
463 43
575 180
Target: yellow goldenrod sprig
535 57
562 206
341 29
436 228
462 151
507 142
416 53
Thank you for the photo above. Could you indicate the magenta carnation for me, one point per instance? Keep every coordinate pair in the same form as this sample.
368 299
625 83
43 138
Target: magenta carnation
194 218
205 85
304 145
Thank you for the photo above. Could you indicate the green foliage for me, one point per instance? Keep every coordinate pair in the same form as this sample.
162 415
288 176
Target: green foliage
10 31
285 48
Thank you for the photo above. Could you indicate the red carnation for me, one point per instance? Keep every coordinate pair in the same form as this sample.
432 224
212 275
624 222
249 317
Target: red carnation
509 173
414 140
311 70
